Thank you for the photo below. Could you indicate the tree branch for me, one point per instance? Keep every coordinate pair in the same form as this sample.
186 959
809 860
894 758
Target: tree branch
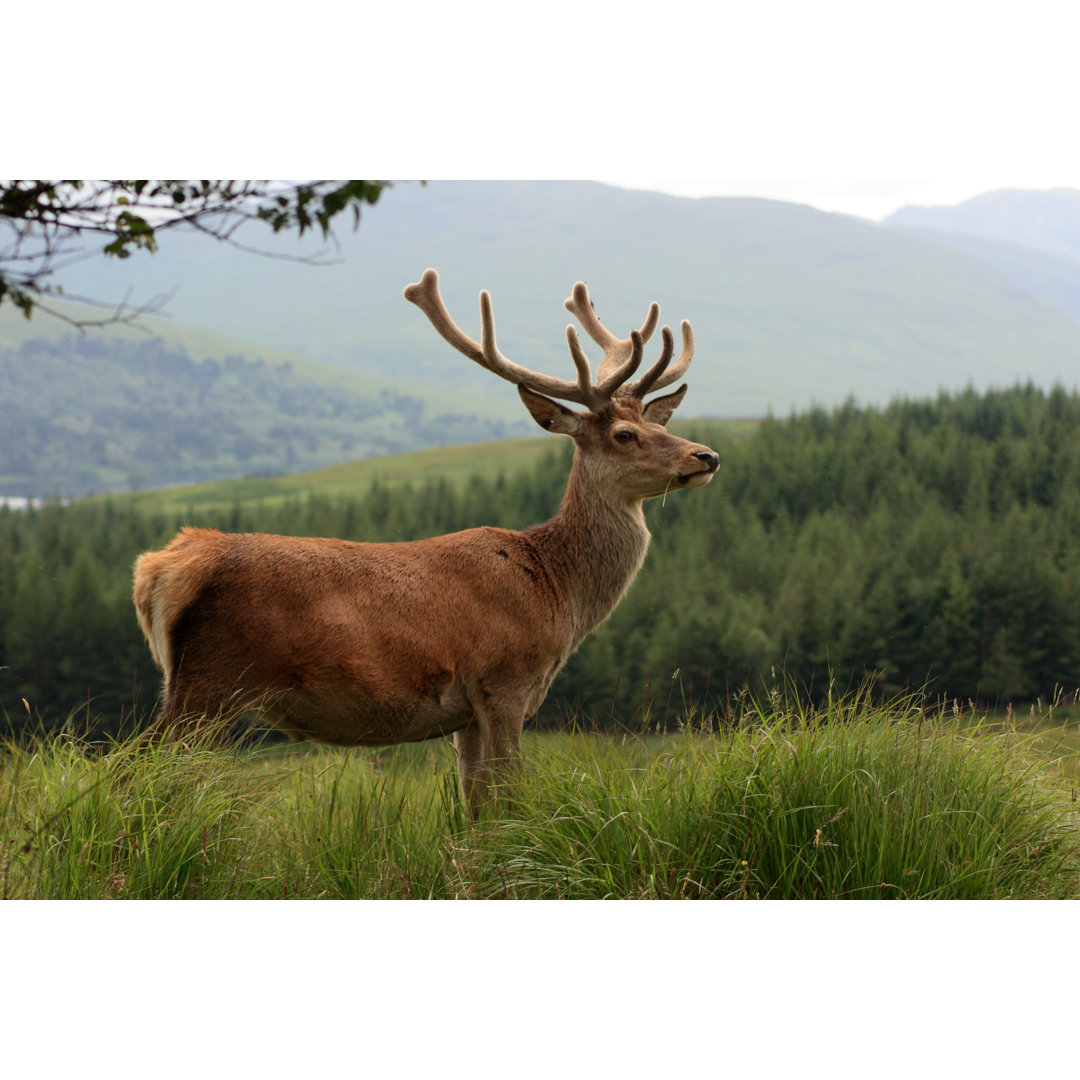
47 217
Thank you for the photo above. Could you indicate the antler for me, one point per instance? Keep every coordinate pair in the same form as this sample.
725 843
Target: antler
425 295
621 359
660 375
617 351
615 368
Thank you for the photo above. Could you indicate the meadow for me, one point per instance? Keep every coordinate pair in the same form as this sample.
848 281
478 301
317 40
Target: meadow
852 800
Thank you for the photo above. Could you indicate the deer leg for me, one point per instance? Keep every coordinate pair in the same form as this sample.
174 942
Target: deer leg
164 729
186 724
489 751
504 718
471 744
506 752
186 729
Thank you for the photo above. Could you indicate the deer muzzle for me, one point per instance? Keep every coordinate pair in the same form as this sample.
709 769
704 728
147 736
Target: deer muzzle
710 461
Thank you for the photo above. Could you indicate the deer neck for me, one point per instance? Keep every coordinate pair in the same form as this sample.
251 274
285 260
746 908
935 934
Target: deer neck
592 548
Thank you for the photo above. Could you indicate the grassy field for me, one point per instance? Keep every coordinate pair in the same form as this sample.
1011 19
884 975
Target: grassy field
354 478
455 464
854 801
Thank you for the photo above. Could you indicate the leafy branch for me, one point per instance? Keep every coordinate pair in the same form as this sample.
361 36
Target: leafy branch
47 225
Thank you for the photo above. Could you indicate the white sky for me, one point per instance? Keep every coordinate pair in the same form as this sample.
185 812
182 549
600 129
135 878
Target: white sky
842 104
873 199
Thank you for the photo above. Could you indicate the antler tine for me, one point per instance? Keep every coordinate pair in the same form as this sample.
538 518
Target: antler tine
616 349
581 362
649 325
426 296
686 354
640 388
581 392
619 375
580 305
660 374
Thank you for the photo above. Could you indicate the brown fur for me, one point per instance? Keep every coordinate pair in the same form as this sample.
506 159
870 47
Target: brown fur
371 644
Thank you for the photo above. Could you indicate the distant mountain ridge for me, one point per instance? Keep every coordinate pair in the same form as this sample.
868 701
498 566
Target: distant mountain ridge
790 305
1032 238
270 365
119 409
1046 221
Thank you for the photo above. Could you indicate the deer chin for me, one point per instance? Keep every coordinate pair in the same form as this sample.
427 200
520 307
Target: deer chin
696 479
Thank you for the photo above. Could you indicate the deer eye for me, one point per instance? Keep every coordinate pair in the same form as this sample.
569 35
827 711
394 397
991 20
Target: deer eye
624 436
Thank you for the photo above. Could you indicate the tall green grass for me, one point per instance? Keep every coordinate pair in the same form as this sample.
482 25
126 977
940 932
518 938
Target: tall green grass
148 824
850 802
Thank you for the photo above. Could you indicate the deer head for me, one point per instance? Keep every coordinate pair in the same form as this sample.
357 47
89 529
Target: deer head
621 434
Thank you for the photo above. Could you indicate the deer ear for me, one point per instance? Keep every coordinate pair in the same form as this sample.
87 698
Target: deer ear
550 415
659 410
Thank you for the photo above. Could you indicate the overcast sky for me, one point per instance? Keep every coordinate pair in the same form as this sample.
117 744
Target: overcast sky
842 104
847 106
873 199
862 108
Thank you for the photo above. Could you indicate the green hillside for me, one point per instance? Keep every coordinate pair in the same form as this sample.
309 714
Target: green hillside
127 407
354 478
457 465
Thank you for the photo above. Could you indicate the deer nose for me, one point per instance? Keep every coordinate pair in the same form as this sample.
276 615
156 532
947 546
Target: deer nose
711 459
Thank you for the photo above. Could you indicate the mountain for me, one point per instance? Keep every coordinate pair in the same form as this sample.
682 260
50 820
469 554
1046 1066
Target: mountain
1049 278
1046 221
790 305
1031 238
270 365
119 408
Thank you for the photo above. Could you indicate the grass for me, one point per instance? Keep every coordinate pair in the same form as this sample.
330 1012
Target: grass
455 464
853 801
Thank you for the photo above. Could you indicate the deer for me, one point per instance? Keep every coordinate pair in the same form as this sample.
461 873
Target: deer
370 644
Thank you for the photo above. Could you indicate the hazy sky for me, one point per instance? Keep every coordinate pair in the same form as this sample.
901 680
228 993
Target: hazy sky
847 106
873 199
842 104
862 108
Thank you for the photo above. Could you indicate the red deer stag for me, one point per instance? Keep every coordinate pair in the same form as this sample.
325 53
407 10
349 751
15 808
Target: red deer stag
359 644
